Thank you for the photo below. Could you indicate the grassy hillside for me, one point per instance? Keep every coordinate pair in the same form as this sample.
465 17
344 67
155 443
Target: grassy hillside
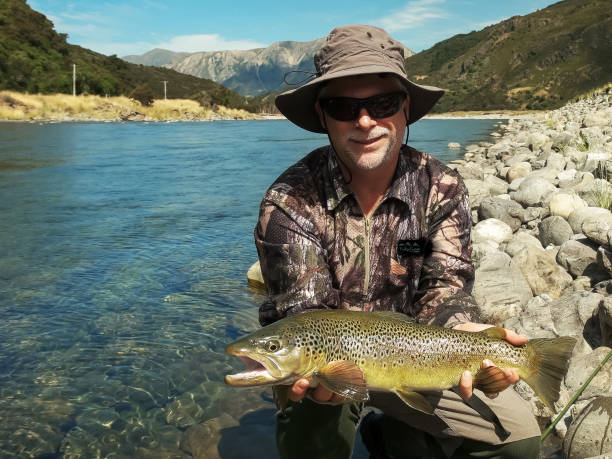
537 61
34 58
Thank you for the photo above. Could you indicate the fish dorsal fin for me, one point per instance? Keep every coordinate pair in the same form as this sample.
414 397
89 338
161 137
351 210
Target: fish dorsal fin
490 379
414 400
393 315
344 378
495 332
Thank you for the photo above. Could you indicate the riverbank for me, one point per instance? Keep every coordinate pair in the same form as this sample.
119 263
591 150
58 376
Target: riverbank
483 114
540 196
15 106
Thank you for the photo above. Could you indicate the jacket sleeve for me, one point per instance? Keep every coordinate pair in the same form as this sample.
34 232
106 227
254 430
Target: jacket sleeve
293 264
444 292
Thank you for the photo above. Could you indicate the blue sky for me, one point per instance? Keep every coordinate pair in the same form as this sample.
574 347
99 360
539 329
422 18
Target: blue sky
133 27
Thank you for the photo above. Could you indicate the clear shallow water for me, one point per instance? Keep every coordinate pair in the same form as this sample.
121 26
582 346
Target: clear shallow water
123 254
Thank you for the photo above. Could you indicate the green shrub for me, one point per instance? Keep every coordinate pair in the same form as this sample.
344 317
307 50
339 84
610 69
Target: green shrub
143 94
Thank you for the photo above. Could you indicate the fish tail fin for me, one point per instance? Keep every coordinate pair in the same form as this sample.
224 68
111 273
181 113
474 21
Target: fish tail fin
548 364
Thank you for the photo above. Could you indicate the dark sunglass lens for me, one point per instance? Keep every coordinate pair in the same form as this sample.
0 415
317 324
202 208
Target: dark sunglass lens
348 108
385 105
341 108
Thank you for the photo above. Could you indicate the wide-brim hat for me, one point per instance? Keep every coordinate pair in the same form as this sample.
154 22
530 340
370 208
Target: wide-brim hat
354 50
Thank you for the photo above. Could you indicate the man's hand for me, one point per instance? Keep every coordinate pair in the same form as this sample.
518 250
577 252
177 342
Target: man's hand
512 377
320 394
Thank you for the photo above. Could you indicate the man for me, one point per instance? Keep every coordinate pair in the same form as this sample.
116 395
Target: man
367 223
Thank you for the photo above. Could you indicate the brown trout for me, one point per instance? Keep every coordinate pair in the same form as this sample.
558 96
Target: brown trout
353 352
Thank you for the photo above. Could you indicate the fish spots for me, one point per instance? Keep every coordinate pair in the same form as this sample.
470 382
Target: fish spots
375 341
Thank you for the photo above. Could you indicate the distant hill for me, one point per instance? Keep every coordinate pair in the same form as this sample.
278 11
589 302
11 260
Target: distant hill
156 57
249 72
34 58
537 61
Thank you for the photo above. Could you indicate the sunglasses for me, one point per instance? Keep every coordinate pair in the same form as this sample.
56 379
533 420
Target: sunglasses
348 108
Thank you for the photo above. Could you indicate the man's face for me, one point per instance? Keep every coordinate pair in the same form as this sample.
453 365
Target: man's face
365 143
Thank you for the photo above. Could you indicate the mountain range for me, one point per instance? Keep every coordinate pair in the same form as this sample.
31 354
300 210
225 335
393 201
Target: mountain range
249 72
536 61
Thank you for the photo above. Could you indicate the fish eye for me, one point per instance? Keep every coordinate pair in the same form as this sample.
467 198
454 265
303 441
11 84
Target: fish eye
273 345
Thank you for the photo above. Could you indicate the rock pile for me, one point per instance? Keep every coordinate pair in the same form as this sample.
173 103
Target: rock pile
540 199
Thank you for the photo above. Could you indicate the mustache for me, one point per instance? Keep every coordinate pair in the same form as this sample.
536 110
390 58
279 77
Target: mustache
377 131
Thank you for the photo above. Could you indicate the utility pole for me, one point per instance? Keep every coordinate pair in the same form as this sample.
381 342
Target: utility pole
164 82
74 79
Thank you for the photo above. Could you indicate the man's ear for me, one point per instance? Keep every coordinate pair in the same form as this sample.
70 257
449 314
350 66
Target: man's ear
320 115
406 108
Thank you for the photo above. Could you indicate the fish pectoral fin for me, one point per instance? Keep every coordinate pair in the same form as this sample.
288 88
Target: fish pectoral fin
281 397
346 379
414 400
490 379
495 332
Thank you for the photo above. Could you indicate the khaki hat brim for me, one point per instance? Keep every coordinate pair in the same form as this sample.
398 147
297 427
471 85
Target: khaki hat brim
298 105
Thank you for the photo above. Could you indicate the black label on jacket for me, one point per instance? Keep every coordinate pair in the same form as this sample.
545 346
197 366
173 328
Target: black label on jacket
411 247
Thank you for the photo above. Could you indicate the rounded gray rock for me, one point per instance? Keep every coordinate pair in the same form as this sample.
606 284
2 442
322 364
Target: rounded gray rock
497 186
493 230
505 210
554 230
578 216
590 434
533 191
597 228
520 240
478 190
499 288
605 321
541 271
579 257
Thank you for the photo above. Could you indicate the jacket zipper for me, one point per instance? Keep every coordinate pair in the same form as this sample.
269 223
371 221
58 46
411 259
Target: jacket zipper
366 281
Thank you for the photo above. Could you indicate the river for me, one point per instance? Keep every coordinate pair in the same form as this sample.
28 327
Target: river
123 253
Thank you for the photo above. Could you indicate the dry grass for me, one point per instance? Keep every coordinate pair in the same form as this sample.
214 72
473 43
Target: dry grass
518 90
603 193
16 106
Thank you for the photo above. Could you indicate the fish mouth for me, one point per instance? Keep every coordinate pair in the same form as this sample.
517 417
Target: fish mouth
255 374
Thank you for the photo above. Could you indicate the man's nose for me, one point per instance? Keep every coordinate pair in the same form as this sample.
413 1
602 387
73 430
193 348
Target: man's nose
364 120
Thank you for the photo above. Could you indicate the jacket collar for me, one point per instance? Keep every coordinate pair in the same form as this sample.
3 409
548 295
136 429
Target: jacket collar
337 189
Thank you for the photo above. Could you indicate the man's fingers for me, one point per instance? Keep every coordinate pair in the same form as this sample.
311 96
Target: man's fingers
514 338
511 336
298 390
322 394
511 376
465 385
319 394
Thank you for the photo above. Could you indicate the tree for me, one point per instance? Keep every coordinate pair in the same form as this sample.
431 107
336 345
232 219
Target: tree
143 94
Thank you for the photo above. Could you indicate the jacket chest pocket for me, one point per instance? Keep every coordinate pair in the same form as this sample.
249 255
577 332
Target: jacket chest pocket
406 261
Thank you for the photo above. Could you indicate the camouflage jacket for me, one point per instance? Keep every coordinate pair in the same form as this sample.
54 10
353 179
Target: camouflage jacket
411 255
